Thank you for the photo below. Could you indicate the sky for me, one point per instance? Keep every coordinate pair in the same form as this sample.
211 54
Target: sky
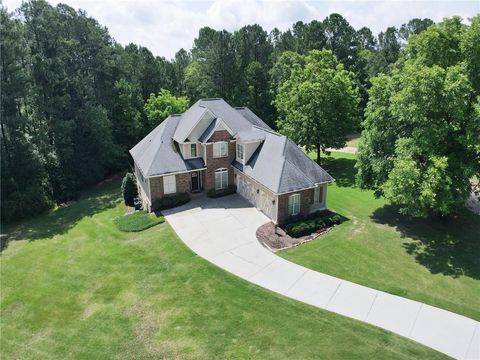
166 26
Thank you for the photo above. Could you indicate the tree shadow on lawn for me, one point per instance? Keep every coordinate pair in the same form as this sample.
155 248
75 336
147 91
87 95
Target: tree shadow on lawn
447 245
103 196
342 169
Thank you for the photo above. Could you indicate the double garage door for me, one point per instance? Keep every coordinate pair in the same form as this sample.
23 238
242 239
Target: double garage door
263 200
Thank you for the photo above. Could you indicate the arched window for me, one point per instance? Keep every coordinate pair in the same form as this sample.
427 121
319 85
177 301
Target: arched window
221 178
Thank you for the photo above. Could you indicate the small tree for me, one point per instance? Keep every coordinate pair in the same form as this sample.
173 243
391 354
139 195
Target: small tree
129 189
160 106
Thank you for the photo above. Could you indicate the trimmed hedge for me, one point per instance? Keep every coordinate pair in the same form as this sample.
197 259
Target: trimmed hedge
307 227
137 221
170 201
212 193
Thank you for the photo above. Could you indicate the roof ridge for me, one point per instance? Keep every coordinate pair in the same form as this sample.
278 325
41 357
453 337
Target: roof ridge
273 132
161 141
283 166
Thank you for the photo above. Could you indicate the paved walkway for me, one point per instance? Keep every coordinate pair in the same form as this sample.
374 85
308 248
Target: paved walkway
223 232
346 149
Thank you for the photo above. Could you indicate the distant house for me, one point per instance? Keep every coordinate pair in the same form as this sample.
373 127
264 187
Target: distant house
213 146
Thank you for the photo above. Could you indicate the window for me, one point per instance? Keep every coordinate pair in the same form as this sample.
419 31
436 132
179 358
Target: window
220 149
193 150
221 179
294 204
239 151
317 194
169 184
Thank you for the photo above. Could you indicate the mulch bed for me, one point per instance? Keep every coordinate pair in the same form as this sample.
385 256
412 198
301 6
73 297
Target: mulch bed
277 239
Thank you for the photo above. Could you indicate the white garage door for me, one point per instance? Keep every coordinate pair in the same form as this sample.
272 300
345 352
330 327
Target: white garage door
262 200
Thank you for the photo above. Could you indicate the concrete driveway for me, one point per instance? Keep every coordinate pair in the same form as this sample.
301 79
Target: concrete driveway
223 232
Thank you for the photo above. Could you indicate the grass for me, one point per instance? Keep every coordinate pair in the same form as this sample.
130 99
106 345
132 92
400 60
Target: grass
353 140
137 221
436 261
76 287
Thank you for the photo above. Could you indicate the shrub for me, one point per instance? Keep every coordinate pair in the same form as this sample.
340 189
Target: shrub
320 223
212 193
327 221
137 221
170 201
129 189
301 228
336 219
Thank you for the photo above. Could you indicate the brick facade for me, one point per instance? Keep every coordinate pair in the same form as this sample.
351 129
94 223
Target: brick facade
183 183
216 163
306 200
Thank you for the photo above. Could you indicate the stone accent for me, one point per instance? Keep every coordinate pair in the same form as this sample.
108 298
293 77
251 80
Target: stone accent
216 163
306 199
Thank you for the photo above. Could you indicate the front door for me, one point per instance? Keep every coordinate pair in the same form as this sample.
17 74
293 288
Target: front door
195 181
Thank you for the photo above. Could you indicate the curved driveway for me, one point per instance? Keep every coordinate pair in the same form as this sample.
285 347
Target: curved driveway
223 232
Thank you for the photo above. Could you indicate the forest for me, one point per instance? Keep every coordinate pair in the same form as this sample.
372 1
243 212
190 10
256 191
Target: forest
74 101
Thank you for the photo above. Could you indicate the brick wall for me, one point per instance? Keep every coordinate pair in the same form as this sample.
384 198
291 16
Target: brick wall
216 163
306 199
183 183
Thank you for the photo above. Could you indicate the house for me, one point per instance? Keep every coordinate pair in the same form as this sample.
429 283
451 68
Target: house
213 146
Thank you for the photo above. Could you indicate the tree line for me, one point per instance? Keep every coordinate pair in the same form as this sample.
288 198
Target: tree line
73 101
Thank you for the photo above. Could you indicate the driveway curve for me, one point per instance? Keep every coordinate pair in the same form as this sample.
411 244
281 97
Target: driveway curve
223 231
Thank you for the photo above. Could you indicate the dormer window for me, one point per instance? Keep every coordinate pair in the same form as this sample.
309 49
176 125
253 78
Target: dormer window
240 152
220 149
193 150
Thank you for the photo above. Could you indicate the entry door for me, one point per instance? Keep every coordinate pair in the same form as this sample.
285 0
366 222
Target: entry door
195 181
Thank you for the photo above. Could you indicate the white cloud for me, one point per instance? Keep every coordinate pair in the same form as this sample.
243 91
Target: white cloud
166 26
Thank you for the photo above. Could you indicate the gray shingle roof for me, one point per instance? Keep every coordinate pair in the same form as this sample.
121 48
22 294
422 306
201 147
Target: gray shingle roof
278 163
157 154
282 166
208 131
252 134
236 119
252 117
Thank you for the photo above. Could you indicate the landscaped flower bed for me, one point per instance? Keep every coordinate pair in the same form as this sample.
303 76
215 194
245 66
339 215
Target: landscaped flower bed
317 225
298 232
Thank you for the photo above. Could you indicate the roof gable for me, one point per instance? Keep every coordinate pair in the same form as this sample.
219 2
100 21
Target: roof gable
216 125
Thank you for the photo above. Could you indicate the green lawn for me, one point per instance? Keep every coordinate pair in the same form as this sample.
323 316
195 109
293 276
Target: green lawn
353 140
76 287
435 261
137 221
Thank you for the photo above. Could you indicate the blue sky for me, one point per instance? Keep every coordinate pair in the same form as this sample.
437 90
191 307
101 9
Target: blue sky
166 26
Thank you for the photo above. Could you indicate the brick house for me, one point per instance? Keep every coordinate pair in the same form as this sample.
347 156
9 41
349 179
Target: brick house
213 145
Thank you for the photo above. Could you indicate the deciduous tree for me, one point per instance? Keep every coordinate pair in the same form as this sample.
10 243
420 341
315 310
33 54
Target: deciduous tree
318 104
